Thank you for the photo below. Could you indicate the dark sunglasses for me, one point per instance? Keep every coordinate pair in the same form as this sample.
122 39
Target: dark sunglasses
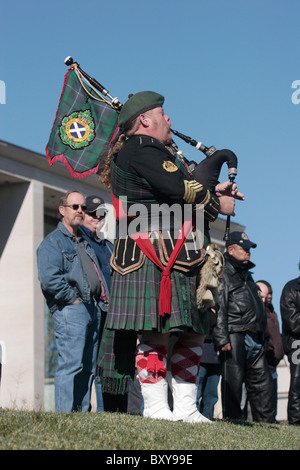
95 216
75 207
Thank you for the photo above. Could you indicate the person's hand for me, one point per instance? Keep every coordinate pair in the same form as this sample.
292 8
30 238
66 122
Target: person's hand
227 197
223 189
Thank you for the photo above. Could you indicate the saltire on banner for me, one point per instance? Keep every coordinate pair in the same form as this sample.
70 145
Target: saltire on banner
84 125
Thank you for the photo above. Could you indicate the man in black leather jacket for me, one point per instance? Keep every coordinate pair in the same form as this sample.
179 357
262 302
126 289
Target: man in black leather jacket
240 334
290 314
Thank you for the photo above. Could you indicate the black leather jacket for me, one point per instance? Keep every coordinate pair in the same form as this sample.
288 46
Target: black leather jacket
290 314
241 308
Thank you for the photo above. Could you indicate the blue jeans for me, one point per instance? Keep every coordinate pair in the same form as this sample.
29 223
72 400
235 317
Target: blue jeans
207 394
77 337
252 345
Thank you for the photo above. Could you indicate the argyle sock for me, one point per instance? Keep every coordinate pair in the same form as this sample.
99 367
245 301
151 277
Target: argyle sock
151 360
184 364
185 361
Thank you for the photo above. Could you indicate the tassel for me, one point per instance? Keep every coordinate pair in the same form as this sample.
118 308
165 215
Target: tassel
165 294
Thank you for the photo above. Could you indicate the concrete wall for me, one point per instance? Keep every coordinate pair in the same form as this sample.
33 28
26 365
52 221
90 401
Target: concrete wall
20 301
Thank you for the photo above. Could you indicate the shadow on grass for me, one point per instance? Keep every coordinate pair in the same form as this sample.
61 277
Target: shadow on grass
249 424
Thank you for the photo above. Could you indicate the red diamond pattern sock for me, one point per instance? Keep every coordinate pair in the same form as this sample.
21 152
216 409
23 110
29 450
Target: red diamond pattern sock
185 361
151 361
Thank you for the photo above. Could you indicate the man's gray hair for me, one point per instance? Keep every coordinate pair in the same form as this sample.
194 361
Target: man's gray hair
64 199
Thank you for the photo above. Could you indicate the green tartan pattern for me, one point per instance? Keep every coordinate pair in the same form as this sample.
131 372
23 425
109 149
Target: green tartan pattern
130 312
134 303
116 361
82 161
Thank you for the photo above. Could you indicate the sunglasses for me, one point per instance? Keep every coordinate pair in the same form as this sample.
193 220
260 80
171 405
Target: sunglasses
75 207
95 216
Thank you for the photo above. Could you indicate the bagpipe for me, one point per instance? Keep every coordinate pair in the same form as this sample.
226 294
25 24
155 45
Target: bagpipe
86 124
207 172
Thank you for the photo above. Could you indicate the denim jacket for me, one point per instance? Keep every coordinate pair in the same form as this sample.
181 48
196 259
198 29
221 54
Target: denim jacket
60 270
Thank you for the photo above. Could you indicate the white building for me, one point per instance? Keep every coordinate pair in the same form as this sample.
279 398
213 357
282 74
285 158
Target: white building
29 194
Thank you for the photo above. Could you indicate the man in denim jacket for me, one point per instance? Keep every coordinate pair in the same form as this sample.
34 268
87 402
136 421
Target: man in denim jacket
74 287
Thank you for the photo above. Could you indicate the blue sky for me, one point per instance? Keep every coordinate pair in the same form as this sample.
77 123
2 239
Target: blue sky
225 67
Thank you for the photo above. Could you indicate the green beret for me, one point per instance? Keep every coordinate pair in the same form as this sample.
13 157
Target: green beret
138 104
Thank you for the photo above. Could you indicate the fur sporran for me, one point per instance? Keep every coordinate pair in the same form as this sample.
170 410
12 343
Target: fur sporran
210 284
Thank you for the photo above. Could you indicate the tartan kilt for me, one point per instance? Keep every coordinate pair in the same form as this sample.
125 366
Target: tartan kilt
134 307
134 302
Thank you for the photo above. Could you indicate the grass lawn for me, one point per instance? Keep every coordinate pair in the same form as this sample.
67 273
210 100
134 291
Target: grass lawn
24 430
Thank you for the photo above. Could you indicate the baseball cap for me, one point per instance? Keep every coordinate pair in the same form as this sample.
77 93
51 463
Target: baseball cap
240 238
93 203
